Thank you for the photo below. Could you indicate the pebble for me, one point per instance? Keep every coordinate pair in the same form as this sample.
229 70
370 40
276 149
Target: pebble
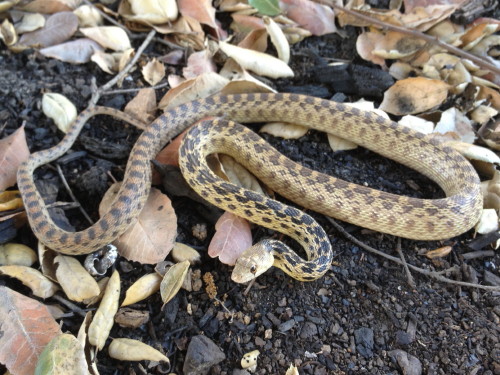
403 338
364 341
409 364
309 329
201 355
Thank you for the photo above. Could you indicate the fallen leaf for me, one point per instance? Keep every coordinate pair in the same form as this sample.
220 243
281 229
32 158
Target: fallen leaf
170 154
278 39
77 51
150 239
50 6
199 63
141 289
134 350
414 95
60 109
10 200
32 278
30 22
88 16
13 151
153 72
143 105
454 121
153 11
63 355
74 279
182 252
112 37
258 62
475 152
488 222
232 237
439 253
203 12
284 130
173 280
239 175
267 7
8 33
317 18
17 254
104 316
491 192
27 327
58 28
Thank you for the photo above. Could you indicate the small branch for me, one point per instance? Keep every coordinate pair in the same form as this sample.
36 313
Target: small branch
478 254
405 265
132 90
428 38
435 275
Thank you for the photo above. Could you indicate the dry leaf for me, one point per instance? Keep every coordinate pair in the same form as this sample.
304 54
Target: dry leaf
182 252
129 318
153 11
258 62
292 370
88 16
417 123
232 237
488 221
8 33
17 254
63 355
439 253
74 279
50 6
340 144
144 287
255 40
33 279
60 109
104 316
455 122
170 154
10 200
172 281
77 51
200 87
491 192
112 37
102 283
27 327
143 105
317 18
278 39
58 28
153 72
199 63
30 22
13 151
203 12
150 239
134 350
239 175
474 152
414 95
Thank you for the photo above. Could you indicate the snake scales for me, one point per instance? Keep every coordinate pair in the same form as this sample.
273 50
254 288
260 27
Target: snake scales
398 215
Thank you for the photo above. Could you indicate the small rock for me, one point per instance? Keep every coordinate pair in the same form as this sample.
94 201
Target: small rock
286 326
403 338
408 363
201 355
309 329
240 372
364 341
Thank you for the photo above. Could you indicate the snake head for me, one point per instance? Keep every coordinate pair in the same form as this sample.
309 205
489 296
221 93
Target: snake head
253 262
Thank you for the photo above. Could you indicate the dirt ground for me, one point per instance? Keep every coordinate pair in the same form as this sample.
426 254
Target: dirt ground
359 319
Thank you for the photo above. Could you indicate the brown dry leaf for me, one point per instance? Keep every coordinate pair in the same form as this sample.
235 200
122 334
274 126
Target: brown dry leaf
104 316
153 72
170 154
258 62
10 200
200 87
17 254
153 11
278 39
102 283
13 151
33 279
491 192
172 281
199 63
241 80
88 16
134 350
74 279
112 37
203 12
439 253
239 175
130 318
232 237
365 44
63 355
50 6
255 40
46 258
144 287
317 18
75 52
185 32
58 28
150 239
182 252
143 105
474 152
284 130
27 327
60 109
244 23
414 95
488 222
476 33
8 33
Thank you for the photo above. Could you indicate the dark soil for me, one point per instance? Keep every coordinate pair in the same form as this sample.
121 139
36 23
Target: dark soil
350 321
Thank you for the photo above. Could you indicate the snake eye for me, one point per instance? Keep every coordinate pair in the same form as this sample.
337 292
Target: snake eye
253 269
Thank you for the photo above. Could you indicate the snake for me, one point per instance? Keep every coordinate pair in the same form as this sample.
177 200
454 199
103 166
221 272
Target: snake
408 217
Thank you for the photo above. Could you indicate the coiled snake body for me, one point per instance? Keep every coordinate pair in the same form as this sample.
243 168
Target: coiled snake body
398 215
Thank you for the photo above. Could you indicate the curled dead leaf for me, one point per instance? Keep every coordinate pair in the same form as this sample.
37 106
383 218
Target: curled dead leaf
13 151
10 199
278 39
74 279
182 252
142 288
33 279
172 281
60 109
439 253
112 37
17 254
134 350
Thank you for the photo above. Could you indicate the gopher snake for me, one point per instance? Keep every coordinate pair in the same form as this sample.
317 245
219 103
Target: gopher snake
380 211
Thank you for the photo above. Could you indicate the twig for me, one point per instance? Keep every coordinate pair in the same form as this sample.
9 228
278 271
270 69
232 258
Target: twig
478 254
70 305
433 274
457 51
97 94
70 192
126 91
405 265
